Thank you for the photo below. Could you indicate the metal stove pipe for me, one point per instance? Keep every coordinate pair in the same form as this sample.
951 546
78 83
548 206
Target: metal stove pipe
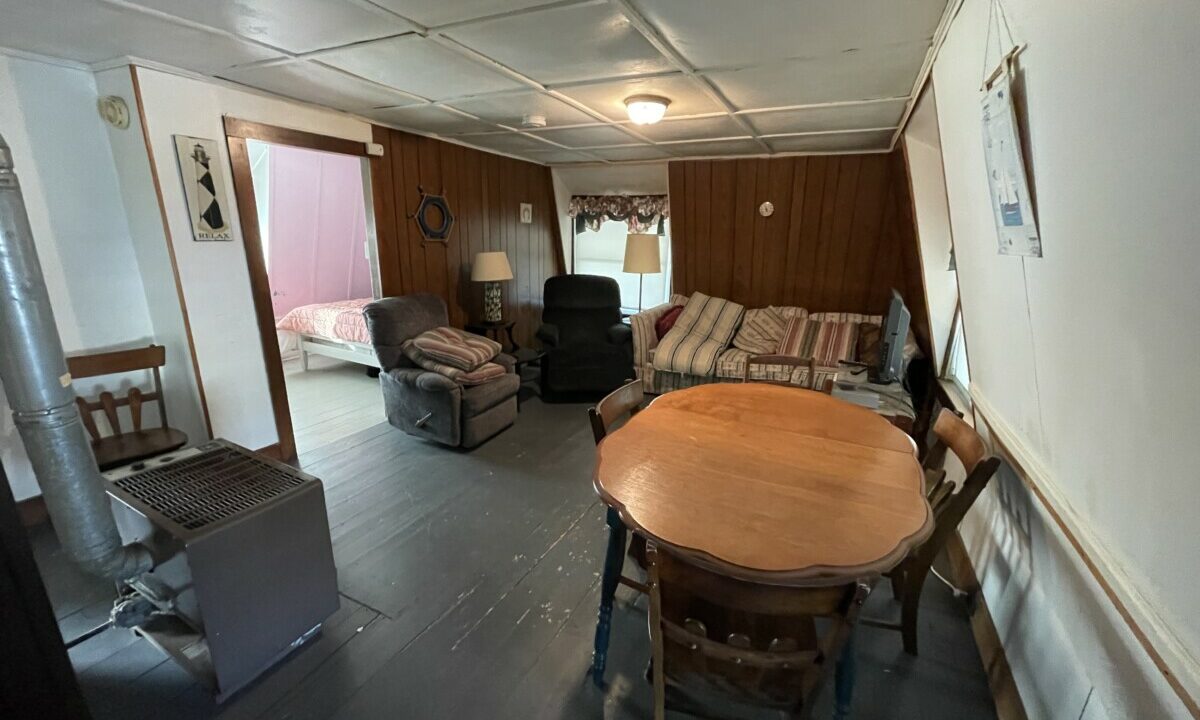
34 372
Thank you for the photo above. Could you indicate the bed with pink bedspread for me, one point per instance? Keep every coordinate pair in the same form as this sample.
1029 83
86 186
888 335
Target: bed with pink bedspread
336 329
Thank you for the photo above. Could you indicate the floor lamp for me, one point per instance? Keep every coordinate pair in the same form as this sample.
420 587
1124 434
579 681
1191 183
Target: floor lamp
641 257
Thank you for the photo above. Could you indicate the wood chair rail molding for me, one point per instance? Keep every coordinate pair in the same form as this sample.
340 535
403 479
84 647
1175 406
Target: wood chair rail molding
768 484
170 243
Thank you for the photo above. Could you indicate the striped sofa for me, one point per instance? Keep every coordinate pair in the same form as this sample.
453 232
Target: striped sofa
730 361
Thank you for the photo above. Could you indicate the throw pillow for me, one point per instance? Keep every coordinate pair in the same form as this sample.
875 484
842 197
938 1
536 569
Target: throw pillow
761 331
667 321
456 348
703 330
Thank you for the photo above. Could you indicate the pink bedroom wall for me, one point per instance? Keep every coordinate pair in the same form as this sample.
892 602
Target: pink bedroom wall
316 251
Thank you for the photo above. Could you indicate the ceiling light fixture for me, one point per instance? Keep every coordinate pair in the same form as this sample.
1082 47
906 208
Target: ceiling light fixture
646 109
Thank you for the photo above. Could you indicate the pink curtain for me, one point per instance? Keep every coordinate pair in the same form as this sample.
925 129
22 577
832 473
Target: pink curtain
316 251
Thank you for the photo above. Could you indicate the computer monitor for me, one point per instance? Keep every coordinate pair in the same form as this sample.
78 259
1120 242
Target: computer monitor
892 337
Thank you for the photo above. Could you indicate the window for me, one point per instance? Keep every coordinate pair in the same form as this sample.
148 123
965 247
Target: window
603 253
956 356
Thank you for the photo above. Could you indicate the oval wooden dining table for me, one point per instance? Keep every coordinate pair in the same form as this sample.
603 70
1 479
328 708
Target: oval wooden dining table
764 483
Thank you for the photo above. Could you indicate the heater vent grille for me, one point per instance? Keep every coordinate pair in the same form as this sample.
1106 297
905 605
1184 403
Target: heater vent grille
208 487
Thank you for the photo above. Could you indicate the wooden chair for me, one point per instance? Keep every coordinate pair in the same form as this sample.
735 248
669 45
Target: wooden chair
949 504
760 644
789 361
624 401
125 446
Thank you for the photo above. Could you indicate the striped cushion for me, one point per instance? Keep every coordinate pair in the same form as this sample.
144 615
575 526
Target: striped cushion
478 376
702 331
826 341
453 347
761 331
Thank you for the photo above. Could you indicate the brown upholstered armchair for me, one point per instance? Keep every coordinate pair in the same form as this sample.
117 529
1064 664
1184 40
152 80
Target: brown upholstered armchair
427 404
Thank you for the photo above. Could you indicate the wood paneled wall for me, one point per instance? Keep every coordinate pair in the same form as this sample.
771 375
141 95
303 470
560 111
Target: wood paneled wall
484 192
841 236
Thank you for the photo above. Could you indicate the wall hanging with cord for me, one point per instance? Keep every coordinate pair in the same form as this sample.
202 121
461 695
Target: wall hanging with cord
1008 183
433 216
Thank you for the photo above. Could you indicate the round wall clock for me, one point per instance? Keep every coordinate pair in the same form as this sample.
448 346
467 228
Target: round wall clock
766 209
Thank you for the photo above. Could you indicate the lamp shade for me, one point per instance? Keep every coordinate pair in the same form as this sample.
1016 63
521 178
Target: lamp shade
491 267
641 254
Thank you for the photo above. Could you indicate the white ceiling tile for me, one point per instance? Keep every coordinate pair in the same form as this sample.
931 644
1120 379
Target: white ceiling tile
557 156
833 142
594 136
718 126
86 31
632 152
509 142
864 74
730 34
429 118
313 82
510 108
431 13
419 66
564 44
837 117
741 146
609 98
294 25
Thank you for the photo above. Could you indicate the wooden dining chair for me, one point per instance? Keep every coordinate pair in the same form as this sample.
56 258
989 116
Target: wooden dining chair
949 504
758 644
624 402
135 443
789 361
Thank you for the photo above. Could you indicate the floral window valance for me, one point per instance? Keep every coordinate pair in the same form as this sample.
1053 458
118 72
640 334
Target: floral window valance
643 213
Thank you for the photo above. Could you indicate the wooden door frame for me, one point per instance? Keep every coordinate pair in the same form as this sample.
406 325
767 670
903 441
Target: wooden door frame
237 132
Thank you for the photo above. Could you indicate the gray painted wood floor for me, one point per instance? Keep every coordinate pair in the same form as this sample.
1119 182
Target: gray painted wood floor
469 588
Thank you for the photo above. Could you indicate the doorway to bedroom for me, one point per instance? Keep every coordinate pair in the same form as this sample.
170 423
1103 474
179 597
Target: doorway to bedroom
316 245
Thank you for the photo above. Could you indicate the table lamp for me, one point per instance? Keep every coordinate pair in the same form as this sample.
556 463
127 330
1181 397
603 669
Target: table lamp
491 268
641 257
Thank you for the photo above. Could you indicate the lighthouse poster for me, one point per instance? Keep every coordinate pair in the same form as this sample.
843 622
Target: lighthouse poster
1016 226
204 188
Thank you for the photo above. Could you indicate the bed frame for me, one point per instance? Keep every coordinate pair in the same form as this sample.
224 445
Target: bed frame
354 352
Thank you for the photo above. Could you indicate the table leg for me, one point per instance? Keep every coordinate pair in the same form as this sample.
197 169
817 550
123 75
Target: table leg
614 560
843 680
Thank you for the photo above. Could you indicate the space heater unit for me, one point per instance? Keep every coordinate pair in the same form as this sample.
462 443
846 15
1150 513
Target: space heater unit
247 571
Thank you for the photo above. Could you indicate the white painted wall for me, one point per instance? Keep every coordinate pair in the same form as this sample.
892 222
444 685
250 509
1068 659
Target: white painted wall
151 249
922 146
48 117
214 275
1085 357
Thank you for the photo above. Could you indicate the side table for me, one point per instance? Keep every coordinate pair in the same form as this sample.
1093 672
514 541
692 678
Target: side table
524 357
494 330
